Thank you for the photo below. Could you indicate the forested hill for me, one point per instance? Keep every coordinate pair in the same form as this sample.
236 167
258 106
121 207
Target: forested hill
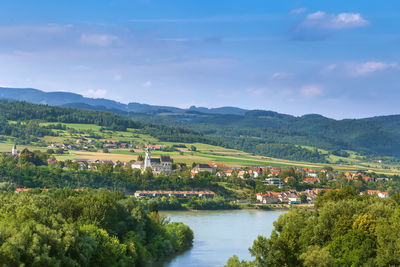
265 132
27 112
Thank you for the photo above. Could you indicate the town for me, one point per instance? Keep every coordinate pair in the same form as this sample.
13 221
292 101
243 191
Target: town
279 182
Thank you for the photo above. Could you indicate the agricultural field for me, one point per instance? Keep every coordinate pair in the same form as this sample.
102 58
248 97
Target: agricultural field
204 153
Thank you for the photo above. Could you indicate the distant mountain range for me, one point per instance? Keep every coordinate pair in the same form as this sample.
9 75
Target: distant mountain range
67 99
258 131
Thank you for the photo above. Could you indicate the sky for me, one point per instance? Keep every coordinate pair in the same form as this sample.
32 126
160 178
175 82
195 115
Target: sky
337 58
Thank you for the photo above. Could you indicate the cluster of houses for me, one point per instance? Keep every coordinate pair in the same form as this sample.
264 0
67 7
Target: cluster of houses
293 196
179 194
151 147
271 174
85 144
225 171
289 197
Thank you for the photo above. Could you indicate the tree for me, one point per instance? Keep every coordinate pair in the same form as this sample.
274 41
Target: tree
316 257
303 198
193 148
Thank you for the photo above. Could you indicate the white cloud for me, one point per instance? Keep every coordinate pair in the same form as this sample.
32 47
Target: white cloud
118 77
331 67
147 84
101 40
323 20
99 93
311 90
298 10
369 67
279 75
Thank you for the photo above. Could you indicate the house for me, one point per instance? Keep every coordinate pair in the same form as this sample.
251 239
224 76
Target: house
367 178
229 172
125 145
274 171
137 165
312 174
293 199
383 179
205 168
255 172
312 180
268 197
51 161
378 193
273 181
241 173
109 146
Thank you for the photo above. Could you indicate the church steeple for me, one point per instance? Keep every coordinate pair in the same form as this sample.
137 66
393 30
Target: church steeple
14 150
147 161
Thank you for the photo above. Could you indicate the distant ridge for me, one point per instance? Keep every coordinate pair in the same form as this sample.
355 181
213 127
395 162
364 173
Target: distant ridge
68 99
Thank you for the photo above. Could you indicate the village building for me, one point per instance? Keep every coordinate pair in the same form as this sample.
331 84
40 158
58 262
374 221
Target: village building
273 181
158 165
377 192
180 194
268 197
203 168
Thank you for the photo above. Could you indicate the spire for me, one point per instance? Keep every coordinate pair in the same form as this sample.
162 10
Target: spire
147 161
14 150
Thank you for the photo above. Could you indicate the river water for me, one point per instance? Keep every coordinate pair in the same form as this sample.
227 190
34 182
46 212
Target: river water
219 235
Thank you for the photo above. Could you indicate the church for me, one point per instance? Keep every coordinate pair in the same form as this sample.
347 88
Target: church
158 165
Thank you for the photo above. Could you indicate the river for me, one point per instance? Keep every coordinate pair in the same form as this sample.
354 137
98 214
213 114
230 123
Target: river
219 235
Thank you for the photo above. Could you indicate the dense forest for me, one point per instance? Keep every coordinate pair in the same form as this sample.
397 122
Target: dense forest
84 228
344 229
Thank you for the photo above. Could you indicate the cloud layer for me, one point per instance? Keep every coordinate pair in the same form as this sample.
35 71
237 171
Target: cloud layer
323 20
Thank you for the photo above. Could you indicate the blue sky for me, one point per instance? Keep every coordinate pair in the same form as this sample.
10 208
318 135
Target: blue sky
340 59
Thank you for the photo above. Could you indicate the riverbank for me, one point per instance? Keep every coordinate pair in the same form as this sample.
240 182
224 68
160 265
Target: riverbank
165 204
217 203
274 206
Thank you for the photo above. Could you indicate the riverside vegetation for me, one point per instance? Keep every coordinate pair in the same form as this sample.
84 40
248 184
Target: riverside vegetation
344 229
64 227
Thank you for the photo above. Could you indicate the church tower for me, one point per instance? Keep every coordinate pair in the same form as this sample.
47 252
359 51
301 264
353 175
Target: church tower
147 161
14 150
